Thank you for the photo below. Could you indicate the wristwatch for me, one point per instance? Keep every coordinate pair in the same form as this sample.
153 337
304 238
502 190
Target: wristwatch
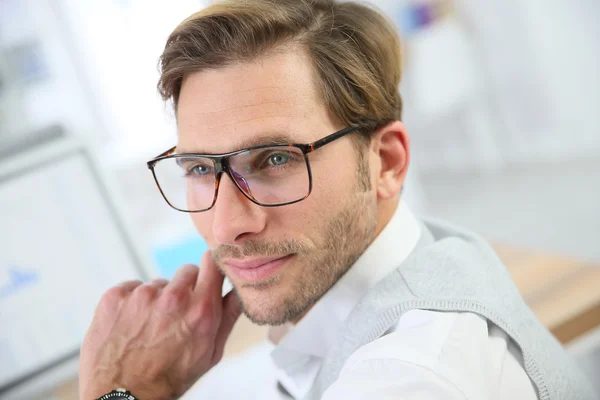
118 394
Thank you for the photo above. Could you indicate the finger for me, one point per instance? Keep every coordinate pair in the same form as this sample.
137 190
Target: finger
129 286
112 299
210 280
185 278
158 283
148 291
231 312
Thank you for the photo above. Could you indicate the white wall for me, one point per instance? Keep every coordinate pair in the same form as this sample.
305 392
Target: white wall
566 39
504 82
58 98
118 45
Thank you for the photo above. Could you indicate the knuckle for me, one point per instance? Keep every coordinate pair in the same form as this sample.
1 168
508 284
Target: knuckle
187 270
159 282
188 267
113 296
205 309
145 293
173 299
205 317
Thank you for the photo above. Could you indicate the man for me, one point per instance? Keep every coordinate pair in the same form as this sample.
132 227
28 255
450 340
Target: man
290 159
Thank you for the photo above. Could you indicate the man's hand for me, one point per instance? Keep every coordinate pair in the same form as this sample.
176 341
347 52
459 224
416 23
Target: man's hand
156 339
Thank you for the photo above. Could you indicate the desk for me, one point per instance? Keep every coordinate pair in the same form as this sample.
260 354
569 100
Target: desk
563 293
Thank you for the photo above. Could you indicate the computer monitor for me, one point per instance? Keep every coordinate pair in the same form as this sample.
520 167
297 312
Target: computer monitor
63 243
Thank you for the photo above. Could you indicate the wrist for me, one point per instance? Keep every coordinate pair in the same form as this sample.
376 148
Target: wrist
147 393
105 380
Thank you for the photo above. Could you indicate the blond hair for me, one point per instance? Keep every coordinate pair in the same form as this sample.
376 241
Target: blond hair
354 48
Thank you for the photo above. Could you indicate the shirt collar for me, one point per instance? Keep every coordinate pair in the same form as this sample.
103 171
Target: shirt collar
319 328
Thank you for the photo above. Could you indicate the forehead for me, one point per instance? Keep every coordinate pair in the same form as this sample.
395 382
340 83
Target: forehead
233 107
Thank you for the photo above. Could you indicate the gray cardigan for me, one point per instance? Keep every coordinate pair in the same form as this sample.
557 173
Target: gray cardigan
454 270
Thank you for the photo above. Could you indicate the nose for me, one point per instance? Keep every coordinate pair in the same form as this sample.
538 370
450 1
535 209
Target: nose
235 217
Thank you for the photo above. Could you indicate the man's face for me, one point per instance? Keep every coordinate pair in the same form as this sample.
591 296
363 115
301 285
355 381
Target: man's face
280 259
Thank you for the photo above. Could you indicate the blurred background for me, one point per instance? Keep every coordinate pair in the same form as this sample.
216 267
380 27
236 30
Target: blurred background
502 103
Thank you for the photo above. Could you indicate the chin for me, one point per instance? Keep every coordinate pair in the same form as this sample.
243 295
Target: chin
269 317
264 306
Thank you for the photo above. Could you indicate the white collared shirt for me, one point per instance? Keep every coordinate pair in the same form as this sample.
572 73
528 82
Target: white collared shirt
427 355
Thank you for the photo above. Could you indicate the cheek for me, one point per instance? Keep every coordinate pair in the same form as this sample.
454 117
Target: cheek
333 186
203 224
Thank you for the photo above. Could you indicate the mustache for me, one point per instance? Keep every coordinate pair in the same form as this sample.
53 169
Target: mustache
254 248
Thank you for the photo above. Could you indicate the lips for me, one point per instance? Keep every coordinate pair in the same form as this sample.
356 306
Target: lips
256 270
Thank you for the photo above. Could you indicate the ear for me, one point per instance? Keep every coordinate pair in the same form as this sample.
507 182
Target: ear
391 148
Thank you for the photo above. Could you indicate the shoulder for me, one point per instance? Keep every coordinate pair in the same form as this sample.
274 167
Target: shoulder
462 352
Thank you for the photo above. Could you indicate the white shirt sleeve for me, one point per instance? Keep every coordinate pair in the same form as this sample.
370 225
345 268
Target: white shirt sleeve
436 355
391 379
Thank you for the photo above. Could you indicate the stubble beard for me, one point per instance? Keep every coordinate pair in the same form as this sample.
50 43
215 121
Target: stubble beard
344 238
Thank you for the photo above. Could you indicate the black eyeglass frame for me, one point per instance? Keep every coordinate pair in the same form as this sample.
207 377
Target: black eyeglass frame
221 164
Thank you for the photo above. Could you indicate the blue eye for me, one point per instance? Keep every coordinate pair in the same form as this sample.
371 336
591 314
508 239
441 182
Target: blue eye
278 159
200 170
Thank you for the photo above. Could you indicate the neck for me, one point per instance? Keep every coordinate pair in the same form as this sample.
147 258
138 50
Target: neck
385 211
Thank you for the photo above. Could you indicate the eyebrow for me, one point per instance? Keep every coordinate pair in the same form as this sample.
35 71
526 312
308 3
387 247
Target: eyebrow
265 140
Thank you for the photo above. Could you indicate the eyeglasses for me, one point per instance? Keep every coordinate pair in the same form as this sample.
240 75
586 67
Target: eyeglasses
268 175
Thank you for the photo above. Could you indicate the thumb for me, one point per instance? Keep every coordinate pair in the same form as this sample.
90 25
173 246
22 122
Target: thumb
209 284
231 312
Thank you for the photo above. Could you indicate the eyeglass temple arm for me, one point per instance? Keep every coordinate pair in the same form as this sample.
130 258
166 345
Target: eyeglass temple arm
328 139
